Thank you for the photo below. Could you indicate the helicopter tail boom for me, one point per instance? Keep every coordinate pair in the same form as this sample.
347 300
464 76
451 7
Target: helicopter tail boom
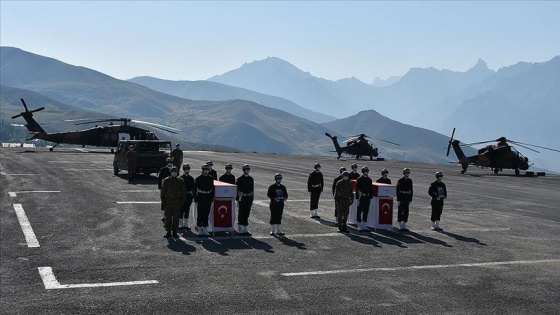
335 142
32 125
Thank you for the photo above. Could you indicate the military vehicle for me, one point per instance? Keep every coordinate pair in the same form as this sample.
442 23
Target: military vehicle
151 155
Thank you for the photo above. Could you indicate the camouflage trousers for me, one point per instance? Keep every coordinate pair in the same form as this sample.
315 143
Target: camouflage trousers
172 215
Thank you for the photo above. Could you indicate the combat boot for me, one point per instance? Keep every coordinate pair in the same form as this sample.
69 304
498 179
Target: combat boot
279 230
175 235
168 234
272 229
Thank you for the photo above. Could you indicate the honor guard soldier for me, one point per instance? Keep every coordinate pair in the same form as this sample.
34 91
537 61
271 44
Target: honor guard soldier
163 173
404 198
354 173
315 186
384 179
344 197
245 194
212 172
339 177
131 157
204 196
189 186
438 192
228 177
278 195
177 155
364 190
173 195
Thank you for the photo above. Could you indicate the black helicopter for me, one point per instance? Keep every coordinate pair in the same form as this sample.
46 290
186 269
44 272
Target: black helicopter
99 136
497 157
357 146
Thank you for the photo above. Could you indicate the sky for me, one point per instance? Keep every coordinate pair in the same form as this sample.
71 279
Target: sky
195 40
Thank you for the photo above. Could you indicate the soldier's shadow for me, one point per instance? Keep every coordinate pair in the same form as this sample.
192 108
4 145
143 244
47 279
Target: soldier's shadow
463 238
222 245
178 245
428 239
290 242
327 222
363 238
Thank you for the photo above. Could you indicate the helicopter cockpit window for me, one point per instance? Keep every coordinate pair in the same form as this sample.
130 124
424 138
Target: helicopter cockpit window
165 147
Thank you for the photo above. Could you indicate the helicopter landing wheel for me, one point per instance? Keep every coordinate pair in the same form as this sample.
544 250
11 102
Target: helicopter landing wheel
463 171
51 149
496 171
517 172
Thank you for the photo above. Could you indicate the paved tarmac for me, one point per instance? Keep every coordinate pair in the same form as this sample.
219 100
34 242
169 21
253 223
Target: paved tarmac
75 239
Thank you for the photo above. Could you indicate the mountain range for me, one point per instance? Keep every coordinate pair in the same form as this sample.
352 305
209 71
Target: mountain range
228 109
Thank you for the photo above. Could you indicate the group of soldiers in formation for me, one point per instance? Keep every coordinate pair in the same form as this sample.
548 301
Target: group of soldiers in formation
179 192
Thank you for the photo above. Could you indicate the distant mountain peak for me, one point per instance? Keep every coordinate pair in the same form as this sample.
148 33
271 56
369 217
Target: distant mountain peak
480 65
268 66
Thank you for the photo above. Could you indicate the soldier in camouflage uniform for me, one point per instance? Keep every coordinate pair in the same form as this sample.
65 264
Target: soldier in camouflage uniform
173 196
177 155
131 157
344 197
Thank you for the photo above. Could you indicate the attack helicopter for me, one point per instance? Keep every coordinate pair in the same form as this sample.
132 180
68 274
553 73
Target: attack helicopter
497 157
98 136
357 146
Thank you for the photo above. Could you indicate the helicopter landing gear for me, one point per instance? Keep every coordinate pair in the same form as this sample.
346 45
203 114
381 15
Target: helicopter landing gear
517 171
115 169
371 157
50 149
463 171
496 170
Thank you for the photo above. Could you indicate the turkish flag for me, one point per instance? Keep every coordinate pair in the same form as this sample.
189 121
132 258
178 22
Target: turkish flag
385 210
222 213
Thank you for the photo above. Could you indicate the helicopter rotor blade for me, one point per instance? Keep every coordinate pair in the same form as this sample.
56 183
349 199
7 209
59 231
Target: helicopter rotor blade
533 145
164 129
526 147
387 141
156 125
450 140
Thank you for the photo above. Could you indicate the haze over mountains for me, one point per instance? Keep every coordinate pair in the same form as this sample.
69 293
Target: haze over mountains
227 109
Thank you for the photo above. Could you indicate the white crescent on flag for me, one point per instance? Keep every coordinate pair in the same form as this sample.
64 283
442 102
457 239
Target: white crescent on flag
223 215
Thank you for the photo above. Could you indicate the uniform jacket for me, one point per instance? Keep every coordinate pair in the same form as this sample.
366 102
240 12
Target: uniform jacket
365 186
163 173
131 158
383 180
334 183
315 182
214 174
177 155
437 190
173 191
277 191
189 184
227 178
343 191
353 175
204 187
404 189
245 185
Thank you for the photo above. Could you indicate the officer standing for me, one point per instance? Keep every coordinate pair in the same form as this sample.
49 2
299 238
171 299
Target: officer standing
354 174
204 196
228 177
364 190
131 157
339 177
163 173
278 195
384 179
245 194
212 172
189 186
315 186
173 195
438 192
177 155
344 198
404 198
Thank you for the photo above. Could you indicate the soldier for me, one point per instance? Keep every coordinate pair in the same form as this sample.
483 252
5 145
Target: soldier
173 195
438 192
163 173
339 177
364 190
189 186
131 157
245 194
315 185
177 155
228 177
354 174
204 196
212 172
344 197
384 179
278 195
404 198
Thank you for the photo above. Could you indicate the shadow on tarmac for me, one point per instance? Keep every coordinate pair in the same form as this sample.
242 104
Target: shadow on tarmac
292 243
463 238
222 246
178 245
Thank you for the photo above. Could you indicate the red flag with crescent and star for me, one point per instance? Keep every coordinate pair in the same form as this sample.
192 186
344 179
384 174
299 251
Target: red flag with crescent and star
385 210
222 213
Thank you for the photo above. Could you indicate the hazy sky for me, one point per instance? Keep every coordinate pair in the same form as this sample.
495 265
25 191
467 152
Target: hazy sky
180 40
